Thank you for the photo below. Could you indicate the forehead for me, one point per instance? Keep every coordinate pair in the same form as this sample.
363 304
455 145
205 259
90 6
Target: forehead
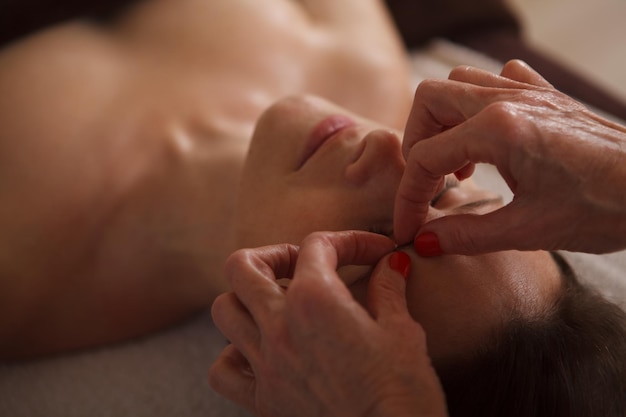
462 300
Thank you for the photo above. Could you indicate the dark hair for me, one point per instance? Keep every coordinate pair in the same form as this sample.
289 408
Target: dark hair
568 362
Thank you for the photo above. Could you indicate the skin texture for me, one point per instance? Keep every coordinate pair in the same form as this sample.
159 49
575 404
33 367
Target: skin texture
121 148
350 183
285 360
560 160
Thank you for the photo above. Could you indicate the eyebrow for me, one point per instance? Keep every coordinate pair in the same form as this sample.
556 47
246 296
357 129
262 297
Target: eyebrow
568 276
448 184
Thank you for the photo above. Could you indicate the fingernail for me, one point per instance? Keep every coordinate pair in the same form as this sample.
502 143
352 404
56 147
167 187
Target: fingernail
427 245
400 262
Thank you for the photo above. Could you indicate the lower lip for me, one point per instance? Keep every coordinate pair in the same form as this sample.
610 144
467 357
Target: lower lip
325 130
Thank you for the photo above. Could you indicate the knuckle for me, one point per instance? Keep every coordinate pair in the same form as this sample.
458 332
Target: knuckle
513 65
237 262
238 258
506 113
215 378
506 119
459 72
418 182
317 237
218 305
414 161
421 88
222 309
426 88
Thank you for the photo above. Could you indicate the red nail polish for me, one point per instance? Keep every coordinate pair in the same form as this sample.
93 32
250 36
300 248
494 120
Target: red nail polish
427 245
400 262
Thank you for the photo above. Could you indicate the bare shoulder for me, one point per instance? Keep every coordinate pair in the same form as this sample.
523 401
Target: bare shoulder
73 63
55 86
75 39
58 88
92 205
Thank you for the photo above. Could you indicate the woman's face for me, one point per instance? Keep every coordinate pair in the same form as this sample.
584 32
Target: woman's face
314 166
294 184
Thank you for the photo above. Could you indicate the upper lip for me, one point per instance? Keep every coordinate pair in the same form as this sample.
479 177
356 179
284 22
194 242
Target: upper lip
322 132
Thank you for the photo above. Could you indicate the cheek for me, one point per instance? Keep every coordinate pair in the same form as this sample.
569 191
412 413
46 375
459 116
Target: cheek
272 214
259 212
285 210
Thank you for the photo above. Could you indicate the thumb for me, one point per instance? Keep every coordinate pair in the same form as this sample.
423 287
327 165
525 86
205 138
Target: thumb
386 295
470 234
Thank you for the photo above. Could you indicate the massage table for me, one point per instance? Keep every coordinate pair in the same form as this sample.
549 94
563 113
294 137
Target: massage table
165 374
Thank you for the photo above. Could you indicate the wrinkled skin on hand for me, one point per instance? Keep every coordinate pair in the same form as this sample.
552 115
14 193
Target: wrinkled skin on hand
563 163
312 350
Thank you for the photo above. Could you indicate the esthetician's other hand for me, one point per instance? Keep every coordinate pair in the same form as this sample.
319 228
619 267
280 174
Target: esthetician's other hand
312 350
564 164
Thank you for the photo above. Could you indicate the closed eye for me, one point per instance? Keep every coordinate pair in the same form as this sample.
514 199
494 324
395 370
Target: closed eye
450 182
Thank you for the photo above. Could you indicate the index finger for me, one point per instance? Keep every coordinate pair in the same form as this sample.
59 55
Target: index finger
417 188
317 295
323 252
252 274
483 138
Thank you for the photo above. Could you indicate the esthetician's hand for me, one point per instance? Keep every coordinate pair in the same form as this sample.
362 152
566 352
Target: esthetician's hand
311 349
564 164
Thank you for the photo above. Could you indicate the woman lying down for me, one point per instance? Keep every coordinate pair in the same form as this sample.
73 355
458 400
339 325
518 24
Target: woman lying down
137 154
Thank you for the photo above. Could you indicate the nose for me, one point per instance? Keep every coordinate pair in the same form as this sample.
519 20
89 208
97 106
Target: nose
381 158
